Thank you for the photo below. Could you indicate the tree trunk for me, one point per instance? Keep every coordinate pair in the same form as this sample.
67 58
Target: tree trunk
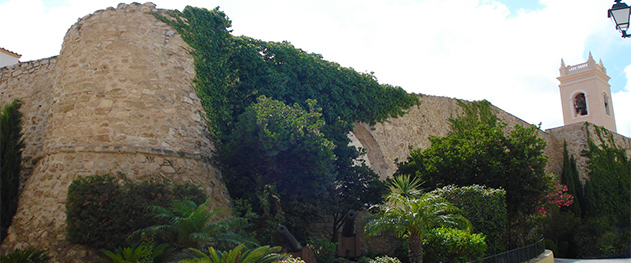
415 248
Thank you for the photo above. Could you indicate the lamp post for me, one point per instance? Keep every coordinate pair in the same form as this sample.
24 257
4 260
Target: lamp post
620 13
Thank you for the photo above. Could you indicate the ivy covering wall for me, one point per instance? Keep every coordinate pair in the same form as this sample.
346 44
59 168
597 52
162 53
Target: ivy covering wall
233 71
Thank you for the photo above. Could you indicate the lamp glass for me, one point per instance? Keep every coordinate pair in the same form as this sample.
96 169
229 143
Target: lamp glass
621 18
620 13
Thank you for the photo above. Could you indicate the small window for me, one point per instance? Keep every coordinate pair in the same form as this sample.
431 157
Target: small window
607 103
580 105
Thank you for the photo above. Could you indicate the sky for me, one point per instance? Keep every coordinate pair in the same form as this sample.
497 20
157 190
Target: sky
505 51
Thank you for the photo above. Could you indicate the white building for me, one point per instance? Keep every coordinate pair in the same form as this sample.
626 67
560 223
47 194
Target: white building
8 58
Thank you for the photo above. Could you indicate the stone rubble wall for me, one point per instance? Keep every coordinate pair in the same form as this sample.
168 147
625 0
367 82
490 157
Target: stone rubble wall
118 98
31 82
576 136
387 142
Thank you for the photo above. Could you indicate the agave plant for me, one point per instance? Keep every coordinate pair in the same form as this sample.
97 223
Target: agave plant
265 254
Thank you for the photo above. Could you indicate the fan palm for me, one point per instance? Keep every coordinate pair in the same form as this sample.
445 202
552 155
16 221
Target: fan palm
265 254
193 225
412 217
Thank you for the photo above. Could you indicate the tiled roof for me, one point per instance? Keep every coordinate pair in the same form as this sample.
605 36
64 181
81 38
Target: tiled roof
8 52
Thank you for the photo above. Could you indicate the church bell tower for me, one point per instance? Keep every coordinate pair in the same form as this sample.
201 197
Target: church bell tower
586 94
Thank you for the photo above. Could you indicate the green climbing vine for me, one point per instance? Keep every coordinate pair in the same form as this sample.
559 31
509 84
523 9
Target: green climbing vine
233 71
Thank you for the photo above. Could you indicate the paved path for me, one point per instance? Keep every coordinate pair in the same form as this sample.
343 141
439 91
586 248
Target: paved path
613 260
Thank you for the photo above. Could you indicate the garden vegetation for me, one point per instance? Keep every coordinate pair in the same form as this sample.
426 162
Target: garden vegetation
239 79
11 146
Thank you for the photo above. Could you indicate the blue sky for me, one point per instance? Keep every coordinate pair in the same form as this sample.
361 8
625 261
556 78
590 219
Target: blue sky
506 51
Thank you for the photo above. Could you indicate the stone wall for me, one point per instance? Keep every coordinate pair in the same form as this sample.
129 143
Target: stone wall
118 98
576 136
389 141
31 82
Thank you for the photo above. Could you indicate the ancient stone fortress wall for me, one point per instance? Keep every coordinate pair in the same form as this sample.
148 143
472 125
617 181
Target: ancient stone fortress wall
390 141
32 82
576 136
118 98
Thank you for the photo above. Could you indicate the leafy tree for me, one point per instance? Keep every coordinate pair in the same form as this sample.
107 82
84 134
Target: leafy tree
414 217
232 72
478 151
484 207
11 146
358 189
281 148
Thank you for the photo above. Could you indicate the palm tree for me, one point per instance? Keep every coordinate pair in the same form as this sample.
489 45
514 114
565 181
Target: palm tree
414 215
265 254
194 225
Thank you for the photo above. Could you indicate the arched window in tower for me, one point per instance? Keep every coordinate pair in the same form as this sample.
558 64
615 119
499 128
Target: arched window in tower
607 103
580 104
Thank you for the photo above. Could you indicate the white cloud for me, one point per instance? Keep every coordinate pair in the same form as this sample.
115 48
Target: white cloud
622 106
461 48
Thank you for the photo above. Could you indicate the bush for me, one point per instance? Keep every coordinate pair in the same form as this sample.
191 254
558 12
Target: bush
453 245
484 207
11 146
139 253
101 213
265 254
30 255
324 251
386 259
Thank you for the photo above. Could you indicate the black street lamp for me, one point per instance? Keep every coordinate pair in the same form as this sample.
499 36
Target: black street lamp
620 13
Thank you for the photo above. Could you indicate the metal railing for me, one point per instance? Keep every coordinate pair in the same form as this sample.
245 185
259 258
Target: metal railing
517 255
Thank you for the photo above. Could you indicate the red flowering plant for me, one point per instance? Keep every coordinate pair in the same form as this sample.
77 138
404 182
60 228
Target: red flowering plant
556 195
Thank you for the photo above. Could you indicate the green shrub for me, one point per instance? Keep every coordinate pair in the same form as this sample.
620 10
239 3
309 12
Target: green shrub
324 251
484 207
11 146
30 255
100 213
265 254
187 224
453 245
386 259
139 253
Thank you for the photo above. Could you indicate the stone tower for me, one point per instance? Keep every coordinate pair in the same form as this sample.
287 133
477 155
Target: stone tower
585 94
118 98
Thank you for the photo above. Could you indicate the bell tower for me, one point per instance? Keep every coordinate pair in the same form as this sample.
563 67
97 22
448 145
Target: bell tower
586 94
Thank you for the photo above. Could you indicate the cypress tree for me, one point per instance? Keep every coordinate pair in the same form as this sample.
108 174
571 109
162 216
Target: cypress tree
11 146
569 177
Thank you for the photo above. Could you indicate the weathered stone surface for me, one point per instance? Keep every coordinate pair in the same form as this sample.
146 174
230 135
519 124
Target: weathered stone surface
389 141
118 98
